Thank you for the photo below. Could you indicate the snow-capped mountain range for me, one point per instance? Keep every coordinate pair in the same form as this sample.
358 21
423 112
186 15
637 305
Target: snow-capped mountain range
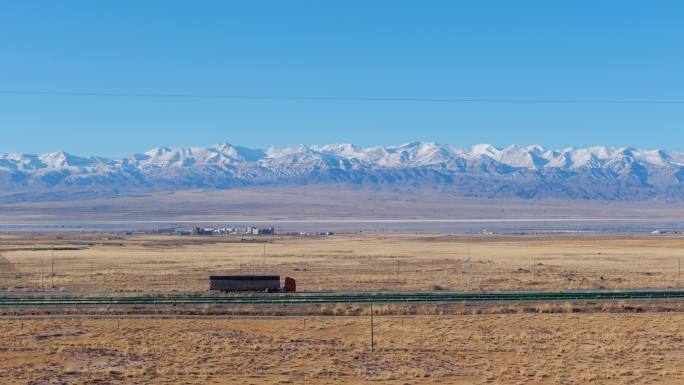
482 170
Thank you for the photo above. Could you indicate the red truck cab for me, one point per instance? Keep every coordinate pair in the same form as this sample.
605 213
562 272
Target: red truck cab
290 285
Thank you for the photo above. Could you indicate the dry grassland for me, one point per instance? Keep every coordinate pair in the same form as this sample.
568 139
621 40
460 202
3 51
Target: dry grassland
404 262
435 344
514 349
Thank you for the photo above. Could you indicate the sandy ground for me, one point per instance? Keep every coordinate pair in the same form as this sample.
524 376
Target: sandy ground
523 347
306 202
509 349
397 262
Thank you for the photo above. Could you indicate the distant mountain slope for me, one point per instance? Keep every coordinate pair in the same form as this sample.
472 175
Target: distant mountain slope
481 171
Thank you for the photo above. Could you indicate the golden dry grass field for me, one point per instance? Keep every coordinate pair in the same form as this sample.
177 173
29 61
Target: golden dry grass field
507 344
501 349
370 262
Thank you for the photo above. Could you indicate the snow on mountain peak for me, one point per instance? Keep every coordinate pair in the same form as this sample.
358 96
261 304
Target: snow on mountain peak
413 154
484 149
225 164
157 151
62 159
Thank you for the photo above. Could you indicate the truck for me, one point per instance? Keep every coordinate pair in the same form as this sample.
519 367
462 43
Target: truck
256 283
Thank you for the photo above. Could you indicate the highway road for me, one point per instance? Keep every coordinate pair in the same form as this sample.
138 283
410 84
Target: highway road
27 300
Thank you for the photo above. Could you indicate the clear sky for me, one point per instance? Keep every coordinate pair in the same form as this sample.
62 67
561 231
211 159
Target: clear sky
570 50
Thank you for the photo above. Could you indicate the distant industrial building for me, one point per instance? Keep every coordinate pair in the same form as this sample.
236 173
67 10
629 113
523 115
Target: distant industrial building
202 231
232 231
257 231
225 231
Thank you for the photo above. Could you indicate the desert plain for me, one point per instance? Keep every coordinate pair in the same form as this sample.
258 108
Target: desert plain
540 343
97 262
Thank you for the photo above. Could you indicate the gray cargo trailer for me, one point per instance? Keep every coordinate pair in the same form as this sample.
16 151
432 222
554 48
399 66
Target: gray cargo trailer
244 282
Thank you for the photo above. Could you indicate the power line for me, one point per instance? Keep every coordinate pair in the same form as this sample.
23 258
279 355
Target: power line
340 98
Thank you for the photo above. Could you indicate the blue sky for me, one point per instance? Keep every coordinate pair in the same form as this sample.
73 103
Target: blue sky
582 50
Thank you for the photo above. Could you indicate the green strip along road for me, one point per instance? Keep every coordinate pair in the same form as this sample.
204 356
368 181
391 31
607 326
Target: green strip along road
303 298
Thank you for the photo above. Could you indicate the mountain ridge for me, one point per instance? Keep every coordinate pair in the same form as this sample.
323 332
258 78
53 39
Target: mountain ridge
483 170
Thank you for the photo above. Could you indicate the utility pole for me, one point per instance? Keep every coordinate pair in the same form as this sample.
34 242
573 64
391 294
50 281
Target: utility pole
91 271
469 265
534 268
372 329
42 272
52 272
397 270
679 268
